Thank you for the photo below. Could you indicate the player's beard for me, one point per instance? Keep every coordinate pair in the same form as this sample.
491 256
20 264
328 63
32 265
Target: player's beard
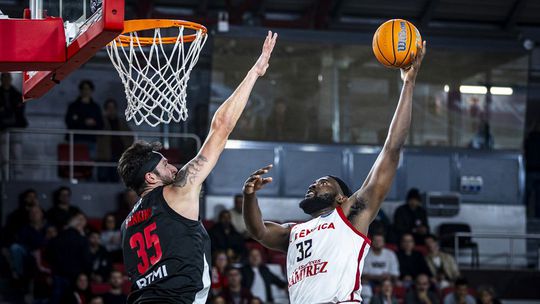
166 180
315 204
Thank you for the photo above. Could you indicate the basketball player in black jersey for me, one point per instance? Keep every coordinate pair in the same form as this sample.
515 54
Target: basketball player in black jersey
166 249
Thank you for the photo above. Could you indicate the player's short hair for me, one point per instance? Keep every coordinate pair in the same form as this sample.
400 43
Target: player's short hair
344 187
132 160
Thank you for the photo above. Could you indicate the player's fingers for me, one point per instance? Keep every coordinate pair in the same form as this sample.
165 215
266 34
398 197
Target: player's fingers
266 180
263 170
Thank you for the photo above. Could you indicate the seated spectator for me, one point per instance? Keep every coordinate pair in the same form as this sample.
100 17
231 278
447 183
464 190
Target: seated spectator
385 296
411 217
381 225
62 210
219 266
29 239
486 295
443 267
218 300
109 147
421 294
115 295
223 236
79 293
411 262
99 258
256 301
380 263
235 293
125 202
460 295
68 255
111 238
236 216
85 114
19 217
258 278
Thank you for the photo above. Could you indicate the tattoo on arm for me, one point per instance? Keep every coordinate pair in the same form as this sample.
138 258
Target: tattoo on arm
359 205
189 172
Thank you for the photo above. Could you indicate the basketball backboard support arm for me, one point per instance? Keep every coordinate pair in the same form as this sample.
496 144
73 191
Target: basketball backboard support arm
99 30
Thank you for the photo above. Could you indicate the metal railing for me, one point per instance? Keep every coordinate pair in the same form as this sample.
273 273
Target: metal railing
501 236
7 162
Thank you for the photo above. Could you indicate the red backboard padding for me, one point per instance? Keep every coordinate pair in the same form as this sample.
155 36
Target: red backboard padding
32 44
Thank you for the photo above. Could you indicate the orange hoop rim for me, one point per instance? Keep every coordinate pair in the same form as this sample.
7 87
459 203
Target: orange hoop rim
136 25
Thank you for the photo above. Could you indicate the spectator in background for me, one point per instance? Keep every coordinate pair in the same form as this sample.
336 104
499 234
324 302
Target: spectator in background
219 266
486 295
68 255
385 296
236 215
256 301
380 264
443 267
96 300
99 259
460 295
421 294
111 238
411 217
29 238
411 262
235 293
62 210
219 300
116 294
19 217
258 278
79 293
483 138
85 114
381 225
11 116
223 236
110 148
11 105
125 202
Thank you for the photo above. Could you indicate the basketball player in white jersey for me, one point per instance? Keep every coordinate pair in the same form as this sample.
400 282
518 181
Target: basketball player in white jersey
325 255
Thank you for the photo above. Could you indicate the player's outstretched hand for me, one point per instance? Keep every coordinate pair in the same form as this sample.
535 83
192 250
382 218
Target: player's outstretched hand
262 63
409 74
256 182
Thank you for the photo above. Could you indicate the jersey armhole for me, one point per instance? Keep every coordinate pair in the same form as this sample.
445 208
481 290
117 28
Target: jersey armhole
348 223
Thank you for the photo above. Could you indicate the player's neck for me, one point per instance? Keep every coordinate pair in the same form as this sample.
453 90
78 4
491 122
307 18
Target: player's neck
323 211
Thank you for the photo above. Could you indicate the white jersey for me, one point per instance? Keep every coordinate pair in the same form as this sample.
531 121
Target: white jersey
325 260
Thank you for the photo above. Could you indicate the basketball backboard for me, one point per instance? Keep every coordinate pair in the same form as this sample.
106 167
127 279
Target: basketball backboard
88 25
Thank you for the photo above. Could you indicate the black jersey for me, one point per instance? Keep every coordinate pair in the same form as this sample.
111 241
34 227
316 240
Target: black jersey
166 255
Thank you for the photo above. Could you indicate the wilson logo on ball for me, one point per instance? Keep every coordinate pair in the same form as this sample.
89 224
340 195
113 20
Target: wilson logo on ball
402 37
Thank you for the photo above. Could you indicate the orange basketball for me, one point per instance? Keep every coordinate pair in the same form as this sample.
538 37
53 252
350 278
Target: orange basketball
394 41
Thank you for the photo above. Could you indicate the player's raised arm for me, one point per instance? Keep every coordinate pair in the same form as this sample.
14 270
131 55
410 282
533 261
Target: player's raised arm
192 175
271 235
363 205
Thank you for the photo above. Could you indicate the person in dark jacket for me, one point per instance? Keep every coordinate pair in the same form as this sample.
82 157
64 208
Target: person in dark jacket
68 255
235 293
411 262
11 105
19 217
223 236
62 210
411 217
258 278
85 114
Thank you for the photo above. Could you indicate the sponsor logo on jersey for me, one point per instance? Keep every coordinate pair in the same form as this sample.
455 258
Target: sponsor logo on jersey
305 232
310 269
402 38
138 217
152 276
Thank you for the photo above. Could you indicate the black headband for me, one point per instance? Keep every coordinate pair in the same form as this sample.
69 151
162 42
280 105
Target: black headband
344 188
149 166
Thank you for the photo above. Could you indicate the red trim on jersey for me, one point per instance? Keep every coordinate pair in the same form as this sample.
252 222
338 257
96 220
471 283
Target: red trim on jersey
357 281
344 218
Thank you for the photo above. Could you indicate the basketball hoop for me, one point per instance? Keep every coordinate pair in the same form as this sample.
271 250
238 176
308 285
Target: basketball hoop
155 78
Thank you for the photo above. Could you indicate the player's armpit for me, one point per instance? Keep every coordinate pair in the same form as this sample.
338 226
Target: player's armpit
275 236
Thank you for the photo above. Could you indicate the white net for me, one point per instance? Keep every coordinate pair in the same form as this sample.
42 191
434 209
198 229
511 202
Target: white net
155 77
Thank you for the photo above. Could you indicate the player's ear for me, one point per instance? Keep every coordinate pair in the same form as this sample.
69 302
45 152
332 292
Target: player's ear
151 178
